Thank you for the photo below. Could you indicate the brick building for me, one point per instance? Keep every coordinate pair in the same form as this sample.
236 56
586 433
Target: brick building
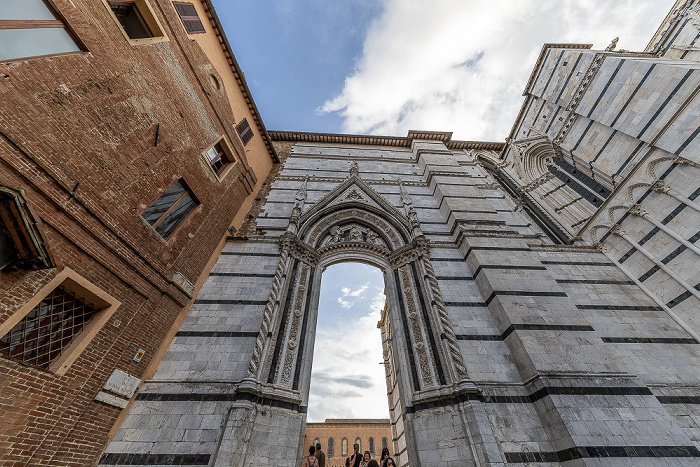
129 145
337 437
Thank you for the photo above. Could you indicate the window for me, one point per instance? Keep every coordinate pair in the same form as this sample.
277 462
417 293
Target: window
316 441
385 443
244 131
344 447
220 158
31 28
359 443
331 447
51 329
371 446
137 21
190 18
168 211
22 244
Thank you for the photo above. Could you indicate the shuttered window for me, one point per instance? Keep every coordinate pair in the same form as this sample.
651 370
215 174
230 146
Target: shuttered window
244 131
331 447
190 18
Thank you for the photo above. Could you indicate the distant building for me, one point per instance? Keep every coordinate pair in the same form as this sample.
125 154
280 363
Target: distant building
337 437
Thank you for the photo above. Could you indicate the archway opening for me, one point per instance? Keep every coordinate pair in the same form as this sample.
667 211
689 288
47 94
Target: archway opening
348 390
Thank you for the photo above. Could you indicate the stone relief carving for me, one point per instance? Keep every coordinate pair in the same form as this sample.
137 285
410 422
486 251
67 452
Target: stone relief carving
253 366
415 323
293 337
353 233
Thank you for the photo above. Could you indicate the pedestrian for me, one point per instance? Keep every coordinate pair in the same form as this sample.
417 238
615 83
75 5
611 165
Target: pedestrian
365 459
356 457
320 456
373 463
389 462
385 454
310 460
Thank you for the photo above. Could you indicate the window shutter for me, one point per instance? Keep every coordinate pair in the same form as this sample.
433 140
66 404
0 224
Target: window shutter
190 18
244 131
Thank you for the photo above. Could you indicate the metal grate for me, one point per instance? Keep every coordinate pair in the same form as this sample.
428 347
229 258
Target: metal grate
50 327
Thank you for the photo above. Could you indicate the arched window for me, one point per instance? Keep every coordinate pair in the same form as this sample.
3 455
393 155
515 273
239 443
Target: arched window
385 443
331 447
358 441
371 446
344 446
316 441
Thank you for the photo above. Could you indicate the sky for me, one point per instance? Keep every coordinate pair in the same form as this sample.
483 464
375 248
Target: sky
347 380
389 66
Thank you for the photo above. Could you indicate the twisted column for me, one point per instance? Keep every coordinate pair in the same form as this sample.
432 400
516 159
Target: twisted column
254 364
445 322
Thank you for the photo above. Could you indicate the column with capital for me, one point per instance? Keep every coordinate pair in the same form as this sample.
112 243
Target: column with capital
637 210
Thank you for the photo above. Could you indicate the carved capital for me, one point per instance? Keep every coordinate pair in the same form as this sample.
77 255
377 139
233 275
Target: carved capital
660 186
617 230
638 210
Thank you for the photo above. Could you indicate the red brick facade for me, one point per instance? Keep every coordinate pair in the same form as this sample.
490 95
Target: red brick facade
350 429
93 138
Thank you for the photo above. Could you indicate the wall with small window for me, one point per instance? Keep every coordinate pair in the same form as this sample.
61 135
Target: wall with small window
170 209
53 328
220 158
136 20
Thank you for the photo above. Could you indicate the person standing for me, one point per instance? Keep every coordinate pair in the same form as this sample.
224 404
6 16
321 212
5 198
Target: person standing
320 456
356 457
365 459
310 460
385 454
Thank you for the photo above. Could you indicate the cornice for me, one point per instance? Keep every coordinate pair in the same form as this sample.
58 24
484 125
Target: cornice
390 141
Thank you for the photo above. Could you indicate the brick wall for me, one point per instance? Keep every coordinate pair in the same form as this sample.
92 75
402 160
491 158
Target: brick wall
78 135
350 429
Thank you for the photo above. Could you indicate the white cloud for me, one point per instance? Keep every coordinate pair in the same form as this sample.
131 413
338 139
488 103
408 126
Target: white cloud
354 293
461 65
347 380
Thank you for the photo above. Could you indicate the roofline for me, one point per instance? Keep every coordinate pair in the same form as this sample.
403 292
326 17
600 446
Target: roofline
376 140
240 76
540 60
675 7
533 75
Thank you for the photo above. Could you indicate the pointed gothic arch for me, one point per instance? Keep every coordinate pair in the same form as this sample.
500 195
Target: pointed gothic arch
353 223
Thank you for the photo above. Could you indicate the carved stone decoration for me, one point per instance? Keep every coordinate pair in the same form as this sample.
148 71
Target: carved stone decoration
354 170
414 320
612 45
254 364
355 196
453 346
293 335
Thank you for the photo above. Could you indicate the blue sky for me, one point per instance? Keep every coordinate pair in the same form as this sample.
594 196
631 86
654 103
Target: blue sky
296 54
347 380
387 66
